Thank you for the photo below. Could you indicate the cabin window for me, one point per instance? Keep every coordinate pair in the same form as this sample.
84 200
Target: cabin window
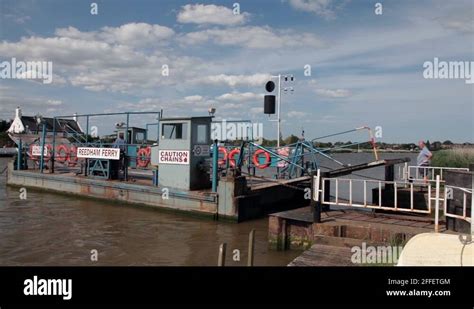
174 131
140 137
201 134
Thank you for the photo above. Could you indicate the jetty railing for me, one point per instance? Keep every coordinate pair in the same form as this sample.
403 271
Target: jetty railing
321 195
449 192
339 184
415 173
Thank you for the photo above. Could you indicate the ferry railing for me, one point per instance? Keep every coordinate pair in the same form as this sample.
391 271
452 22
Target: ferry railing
300 158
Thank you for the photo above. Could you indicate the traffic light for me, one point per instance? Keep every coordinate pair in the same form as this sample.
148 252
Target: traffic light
269 99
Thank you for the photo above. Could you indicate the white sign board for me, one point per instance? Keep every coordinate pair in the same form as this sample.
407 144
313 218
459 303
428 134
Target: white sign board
201 150
173 157
98 153
36 150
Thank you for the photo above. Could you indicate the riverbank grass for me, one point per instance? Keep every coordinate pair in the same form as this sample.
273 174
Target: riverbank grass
453 157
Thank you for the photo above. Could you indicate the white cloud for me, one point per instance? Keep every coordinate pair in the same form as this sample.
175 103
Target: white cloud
235 80
193 98
333 93
210 14
459 21
256 110
296 114
253 37
131 34
240 97
54 102
322 8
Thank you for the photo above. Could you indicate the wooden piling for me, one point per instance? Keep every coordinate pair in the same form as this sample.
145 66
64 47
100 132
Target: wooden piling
251 247
221 258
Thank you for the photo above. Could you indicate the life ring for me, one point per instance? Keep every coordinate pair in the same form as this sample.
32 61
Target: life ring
257 163
72 160
62 153
143 157
223 161
232 153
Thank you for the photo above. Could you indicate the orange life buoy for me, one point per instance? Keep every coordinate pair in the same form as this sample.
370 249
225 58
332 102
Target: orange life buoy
72 160
143 157
257 163
224 159
232 153
62 153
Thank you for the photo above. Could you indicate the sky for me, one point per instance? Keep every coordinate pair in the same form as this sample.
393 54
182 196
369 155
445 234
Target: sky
366 68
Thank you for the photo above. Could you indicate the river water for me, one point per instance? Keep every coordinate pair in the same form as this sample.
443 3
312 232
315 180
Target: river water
59 230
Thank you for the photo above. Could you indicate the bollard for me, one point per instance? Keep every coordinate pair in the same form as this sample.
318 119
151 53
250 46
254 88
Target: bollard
221 258
251 247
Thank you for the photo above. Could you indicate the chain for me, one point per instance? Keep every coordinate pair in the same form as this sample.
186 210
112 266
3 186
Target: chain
274 181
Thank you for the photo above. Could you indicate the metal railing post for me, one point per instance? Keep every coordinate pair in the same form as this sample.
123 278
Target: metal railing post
19 158
53 152
215 153
437 205
43 137
316 197
472 206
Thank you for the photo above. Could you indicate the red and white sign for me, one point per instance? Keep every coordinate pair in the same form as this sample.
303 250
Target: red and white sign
173 157
36 150
98 153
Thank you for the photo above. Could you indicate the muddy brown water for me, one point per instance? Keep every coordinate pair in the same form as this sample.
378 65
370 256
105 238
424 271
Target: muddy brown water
59 230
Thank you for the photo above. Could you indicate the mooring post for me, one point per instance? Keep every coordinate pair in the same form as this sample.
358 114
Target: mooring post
221 258
215 153
437 204
251 247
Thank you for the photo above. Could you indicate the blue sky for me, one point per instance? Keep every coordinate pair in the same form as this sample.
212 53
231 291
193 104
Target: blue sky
367 69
